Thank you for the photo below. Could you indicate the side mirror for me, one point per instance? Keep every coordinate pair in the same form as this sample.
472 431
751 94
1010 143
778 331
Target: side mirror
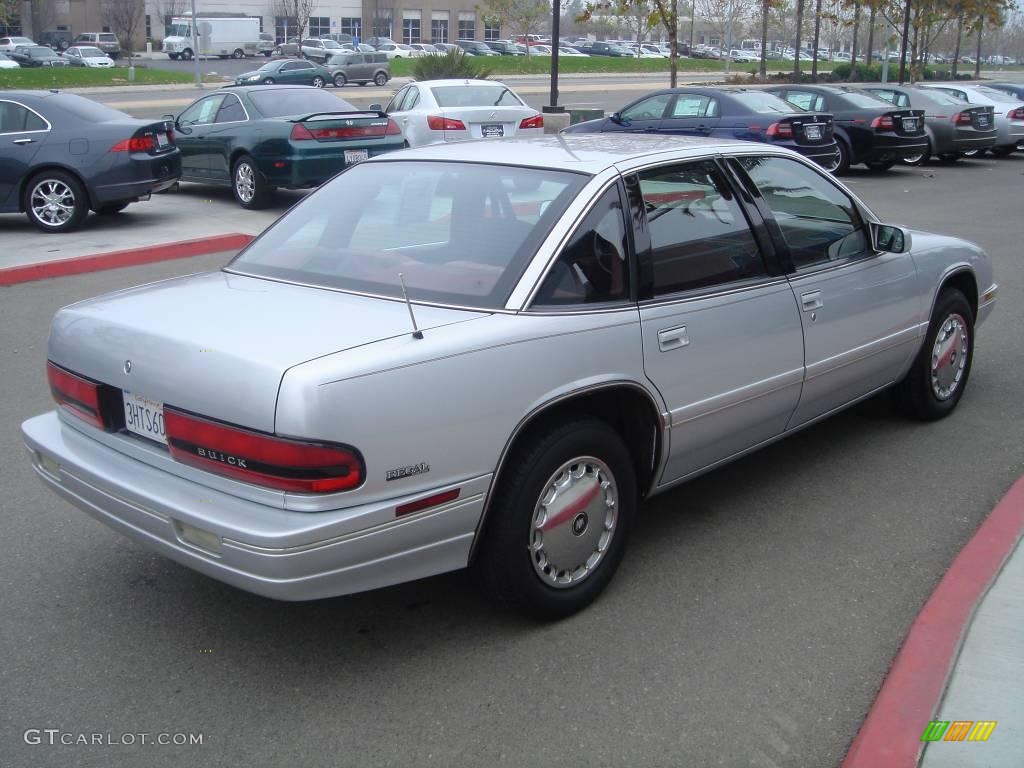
890 239
376 108
169 119
616 118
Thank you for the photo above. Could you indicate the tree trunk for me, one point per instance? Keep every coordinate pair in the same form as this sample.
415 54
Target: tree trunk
763 70
904 40
871 37
817 34
956 52
673 41
977 57
856 32
796 46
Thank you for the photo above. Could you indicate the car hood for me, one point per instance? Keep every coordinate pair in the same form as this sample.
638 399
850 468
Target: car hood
218 344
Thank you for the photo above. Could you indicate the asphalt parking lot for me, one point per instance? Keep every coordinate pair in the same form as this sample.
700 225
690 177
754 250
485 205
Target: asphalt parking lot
753 619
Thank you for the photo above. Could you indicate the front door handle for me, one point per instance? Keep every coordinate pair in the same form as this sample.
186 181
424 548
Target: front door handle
673 338
811 301
23 141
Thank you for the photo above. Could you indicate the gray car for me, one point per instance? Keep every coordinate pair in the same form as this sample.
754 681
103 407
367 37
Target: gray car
491 359
952 127
351 67
1008 111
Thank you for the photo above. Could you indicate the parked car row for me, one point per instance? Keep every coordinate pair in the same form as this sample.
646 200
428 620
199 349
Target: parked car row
105 41
30 56
838 126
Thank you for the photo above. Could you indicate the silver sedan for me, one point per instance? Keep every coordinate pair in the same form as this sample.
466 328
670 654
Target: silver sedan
1008 111
491 362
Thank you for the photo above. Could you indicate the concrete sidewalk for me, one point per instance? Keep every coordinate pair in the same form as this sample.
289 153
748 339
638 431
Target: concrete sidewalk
987 682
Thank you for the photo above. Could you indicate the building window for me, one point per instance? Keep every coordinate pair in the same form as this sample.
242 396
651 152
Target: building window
439 31
382 27
319 25
11 27
285 28
352 25
410 31
492 30
467 29
167 25
105 29
149 29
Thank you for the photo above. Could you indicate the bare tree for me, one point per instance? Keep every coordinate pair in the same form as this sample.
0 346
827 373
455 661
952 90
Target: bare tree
43 16
168 8
520 17
9 10
297 12
725 17
124 17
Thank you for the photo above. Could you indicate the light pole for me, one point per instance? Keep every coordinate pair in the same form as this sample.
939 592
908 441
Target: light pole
556 14
195 45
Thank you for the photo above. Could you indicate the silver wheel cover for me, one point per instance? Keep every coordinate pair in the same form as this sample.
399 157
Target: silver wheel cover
573 522
949 356
245 182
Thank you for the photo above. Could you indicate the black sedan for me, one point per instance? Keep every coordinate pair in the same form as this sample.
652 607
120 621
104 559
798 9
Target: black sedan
62 155
734 113
953 128
868 130
37 56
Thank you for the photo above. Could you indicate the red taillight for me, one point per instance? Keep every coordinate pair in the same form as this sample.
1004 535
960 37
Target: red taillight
301 133
393 129
274 462
145 143
76 395
962 118
439 123
780 131
537 121
883 123
170 136
1016 114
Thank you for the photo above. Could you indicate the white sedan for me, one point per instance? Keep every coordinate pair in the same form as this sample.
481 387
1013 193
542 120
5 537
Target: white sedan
437 111
6 63
87 56
566 50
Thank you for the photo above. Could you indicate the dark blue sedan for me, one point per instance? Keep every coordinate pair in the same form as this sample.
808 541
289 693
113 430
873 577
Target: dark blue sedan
62 155
734 113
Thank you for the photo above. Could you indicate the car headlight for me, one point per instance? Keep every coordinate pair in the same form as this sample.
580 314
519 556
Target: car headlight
253 77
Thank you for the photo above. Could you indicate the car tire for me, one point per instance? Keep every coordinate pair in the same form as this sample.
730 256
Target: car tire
1003 151
55 185
238 54
845 157
186 55
250 188
880 165
973 153
916 160
553 573
340 80
380 79
939 374
267 53
111 209
950 157
173 56
268 81
319 82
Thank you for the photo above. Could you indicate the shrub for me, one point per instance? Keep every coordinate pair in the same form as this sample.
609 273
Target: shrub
454 64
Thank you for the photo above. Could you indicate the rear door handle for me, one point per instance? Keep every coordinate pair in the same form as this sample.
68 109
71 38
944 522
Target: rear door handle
811 301
23 141
673 338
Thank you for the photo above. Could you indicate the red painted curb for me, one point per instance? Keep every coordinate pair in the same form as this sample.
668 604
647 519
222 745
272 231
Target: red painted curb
129 258
891 733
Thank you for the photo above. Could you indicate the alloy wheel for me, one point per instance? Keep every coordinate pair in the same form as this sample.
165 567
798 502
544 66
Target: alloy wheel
245 182
52 202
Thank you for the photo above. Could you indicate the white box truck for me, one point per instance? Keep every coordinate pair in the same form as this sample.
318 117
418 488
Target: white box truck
222 36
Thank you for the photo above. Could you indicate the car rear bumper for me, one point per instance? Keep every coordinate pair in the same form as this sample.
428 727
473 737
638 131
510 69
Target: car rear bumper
313 168
894 148
139 176
969 143
824 156
272 552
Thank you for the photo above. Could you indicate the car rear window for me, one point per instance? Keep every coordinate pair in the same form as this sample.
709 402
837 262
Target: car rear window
40 50
86 109
284 102
475 96
459 233
108 38
864 100
763 103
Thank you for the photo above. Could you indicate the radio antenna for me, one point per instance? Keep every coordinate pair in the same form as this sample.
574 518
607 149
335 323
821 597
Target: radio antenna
416 332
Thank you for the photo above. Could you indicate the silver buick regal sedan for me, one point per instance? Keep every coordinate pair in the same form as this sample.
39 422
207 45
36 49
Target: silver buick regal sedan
489 356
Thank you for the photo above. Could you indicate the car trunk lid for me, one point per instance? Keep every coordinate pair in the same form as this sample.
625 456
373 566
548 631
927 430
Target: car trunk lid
486 122
218 344
811 129
343 126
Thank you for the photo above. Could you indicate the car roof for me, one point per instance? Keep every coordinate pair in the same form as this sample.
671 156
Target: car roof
454 81
585 152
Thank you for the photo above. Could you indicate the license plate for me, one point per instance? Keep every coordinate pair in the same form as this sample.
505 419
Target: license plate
492 131
982 121
144 417
161 140
812 131
909 123
356 155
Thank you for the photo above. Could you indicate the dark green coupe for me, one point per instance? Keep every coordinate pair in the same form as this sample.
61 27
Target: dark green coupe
255 139
286 72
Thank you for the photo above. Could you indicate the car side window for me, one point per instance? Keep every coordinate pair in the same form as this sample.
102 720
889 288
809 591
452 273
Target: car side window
648 109
694 105
15 118
231 110
396 100
700 235
809 101
902 100
884 94
202 112
593 267
411 100
818 221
